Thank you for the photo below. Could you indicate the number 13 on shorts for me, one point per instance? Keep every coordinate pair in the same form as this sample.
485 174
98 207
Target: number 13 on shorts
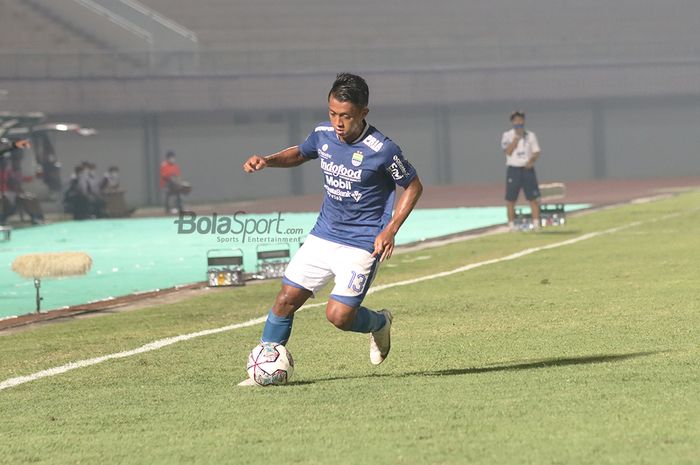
357 282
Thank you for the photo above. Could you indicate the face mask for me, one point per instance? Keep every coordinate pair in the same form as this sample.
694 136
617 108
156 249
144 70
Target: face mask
518 126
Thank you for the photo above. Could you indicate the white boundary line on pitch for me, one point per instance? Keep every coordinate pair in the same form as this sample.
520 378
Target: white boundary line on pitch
159 344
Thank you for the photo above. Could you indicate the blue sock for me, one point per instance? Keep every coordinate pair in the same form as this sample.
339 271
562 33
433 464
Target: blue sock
367 321
277 328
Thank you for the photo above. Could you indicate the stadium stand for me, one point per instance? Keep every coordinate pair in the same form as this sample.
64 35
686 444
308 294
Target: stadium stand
276 36
40 43
26 29
549 28
239 25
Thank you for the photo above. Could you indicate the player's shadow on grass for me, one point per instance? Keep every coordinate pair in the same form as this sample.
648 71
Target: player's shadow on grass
544 363
529 365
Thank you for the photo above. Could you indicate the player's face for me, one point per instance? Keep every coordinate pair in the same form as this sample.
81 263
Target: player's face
346 118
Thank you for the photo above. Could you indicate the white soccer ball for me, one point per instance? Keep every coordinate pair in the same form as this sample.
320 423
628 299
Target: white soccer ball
270 363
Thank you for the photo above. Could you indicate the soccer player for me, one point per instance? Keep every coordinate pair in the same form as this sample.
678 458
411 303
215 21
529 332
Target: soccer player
355 228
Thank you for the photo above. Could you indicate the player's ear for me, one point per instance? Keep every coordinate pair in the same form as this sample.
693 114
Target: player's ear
364 113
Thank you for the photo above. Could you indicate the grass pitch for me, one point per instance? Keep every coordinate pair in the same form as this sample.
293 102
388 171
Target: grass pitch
583 354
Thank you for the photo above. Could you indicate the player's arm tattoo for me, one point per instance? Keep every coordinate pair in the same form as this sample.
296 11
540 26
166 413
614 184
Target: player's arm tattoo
286 158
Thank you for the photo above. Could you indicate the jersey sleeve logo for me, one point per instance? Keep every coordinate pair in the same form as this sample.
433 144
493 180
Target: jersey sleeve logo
398 169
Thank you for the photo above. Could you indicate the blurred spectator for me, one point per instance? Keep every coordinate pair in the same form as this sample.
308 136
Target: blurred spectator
110 180
8 199
94 192
113 195
75 199
93 179
90 187
13 198
170 181
50 172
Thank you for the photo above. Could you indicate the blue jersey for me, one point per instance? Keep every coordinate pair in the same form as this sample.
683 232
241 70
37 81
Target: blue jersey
360 182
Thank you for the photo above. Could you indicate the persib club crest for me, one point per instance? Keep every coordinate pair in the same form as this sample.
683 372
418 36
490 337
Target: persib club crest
357 158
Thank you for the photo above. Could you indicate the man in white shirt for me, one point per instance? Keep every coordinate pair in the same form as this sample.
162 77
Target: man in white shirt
522 150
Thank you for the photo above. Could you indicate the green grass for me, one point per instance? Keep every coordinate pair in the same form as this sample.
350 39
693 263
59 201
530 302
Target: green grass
583 354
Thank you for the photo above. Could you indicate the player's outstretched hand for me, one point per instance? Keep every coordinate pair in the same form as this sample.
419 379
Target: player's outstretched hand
254 163
384 245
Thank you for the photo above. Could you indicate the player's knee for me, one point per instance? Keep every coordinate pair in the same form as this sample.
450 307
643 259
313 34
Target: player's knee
339 319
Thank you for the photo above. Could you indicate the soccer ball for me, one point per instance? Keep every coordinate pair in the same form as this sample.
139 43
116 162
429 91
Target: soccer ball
270 363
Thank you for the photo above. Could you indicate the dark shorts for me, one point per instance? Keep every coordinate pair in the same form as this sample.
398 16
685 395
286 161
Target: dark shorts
521 178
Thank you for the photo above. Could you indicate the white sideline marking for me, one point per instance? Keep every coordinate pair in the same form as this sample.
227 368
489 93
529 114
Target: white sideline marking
12 382
155 345
145 348
512 256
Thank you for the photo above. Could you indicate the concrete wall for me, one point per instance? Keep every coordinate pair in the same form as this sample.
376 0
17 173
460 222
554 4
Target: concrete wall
653 139
211 150
457 144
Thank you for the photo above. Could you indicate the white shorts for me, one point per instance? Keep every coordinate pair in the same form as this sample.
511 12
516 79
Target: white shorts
318 260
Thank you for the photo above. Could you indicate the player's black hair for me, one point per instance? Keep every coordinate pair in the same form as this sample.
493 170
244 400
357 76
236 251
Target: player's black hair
350 88
517 113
